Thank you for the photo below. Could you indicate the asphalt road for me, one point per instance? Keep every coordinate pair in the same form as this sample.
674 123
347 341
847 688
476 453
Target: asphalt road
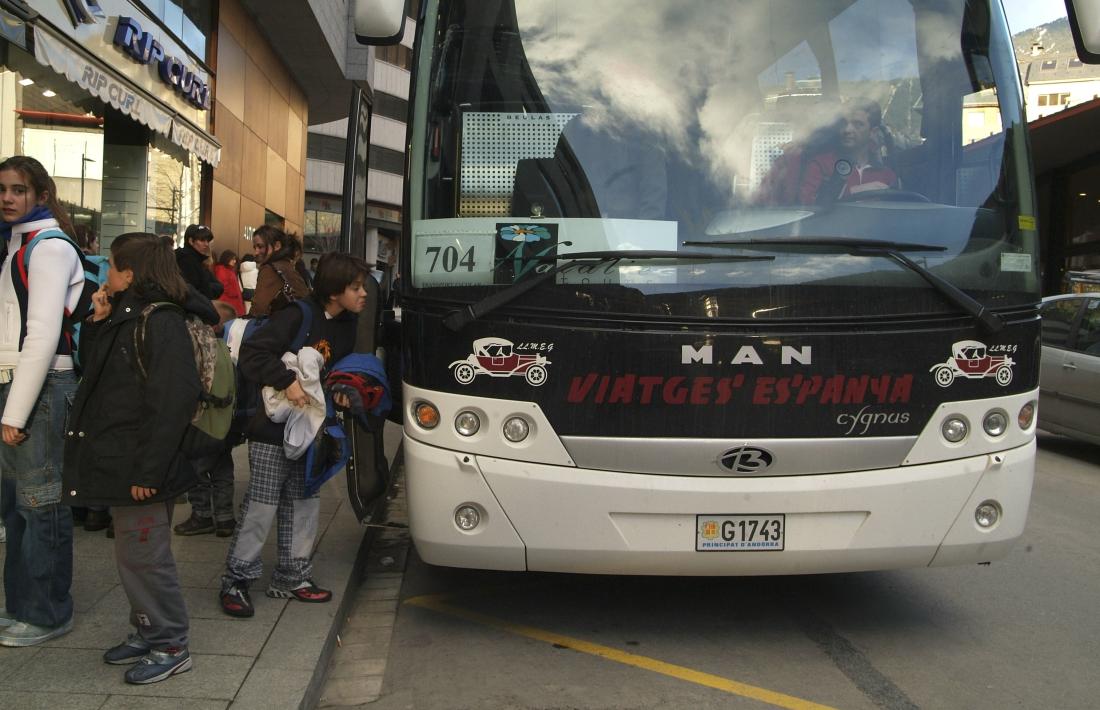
1021 633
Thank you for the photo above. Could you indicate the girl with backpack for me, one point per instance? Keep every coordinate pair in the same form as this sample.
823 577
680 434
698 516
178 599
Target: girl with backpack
123 440
277 486
37 289
278 282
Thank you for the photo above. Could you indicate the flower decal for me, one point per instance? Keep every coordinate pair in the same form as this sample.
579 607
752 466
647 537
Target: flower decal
524 233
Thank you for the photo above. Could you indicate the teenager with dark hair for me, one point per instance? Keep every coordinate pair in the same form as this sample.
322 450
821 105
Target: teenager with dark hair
278 283
36 377
277 486
124 434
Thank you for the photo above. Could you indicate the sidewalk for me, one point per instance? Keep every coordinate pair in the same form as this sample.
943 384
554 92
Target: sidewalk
270 661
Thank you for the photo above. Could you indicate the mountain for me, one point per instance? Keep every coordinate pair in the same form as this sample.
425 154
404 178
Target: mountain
1054 37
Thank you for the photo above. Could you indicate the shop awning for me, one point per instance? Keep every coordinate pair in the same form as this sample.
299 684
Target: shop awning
101 81
1065 137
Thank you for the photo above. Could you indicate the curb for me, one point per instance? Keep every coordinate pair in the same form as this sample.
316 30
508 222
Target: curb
347 600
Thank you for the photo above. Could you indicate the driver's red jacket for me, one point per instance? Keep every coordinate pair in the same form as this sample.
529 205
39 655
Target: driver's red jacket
819 169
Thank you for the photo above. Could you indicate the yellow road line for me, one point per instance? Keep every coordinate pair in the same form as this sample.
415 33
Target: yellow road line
437 602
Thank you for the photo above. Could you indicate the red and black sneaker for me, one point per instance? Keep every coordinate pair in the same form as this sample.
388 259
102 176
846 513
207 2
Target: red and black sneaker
307 591
236 602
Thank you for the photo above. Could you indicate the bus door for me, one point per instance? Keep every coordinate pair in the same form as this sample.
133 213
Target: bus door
368 472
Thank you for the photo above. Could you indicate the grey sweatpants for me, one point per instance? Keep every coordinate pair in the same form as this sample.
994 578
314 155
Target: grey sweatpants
143 551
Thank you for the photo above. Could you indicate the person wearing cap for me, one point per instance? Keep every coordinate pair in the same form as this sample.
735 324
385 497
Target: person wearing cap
191 258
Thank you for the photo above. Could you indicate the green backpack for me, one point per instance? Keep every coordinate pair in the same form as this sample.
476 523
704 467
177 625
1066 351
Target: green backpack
218 383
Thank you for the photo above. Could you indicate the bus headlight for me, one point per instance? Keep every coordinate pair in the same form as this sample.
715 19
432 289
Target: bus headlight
427 415
955 429
516 429
467 423
1027 415
987 514
995 422
467 517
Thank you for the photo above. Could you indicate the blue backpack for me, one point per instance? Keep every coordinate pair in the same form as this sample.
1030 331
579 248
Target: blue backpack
236 332
362 378
95 275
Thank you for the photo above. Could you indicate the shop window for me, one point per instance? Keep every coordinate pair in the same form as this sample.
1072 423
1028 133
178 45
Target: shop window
323 221
61 126
173 190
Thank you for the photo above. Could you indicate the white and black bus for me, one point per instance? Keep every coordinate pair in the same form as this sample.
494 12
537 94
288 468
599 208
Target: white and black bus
716 287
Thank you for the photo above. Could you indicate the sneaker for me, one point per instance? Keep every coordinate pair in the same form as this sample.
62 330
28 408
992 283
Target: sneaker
129 651
6 619
3 533
155 666
236 602
224 528
97 520
22 634
307 591
195 526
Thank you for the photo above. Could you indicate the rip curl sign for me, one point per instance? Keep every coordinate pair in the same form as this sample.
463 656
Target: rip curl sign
519 247
497 357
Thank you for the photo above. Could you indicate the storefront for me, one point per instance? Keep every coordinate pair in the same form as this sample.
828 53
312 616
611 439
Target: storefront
115 106
1066 150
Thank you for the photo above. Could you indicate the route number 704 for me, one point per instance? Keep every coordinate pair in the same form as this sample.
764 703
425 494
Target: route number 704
449 258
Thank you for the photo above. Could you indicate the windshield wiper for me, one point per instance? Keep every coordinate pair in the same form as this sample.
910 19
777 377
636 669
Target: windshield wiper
989 320
457 320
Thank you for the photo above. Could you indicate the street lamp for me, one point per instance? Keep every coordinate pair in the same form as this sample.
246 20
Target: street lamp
84 160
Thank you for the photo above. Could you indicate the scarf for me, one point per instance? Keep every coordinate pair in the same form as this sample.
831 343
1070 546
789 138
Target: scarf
39 212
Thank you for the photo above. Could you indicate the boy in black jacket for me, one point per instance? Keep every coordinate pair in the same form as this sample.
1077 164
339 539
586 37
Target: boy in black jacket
276 488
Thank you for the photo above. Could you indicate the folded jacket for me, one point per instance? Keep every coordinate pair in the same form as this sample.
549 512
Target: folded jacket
302 423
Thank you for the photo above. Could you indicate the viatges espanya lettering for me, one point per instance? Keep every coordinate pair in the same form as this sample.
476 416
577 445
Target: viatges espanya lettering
629 388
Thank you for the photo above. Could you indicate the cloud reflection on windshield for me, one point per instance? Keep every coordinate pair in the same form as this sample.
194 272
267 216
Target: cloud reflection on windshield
702 77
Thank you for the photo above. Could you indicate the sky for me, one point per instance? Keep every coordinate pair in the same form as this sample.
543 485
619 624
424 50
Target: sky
1025 14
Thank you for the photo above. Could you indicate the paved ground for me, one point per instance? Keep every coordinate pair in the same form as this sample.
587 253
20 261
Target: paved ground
1020 633
270 661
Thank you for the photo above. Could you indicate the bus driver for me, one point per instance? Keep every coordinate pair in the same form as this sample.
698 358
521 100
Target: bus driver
854 166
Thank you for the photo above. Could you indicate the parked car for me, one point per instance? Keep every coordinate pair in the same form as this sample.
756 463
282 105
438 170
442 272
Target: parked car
1069 376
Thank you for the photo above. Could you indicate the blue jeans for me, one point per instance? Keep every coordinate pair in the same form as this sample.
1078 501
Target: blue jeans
38 567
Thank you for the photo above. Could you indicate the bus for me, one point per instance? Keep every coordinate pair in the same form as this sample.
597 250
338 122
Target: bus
701 287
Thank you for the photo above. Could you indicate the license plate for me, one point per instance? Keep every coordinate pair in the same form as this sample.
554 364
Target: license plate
747 533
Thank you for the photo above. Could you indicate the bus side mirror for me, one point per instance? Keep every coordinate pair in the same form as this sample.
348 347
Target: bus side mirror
1084 20
379 22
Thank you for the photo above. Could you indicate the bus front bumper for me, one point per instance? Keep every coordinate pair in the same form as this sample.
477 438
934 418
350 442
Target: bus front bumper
556 518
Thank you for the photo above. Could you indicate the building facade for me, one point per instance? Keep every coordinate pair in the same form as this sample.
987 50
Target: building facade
389 74
1056 81
153 115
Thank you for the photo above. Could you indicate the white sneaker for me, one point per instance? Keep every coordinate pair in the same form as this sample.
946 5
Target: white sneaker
23 634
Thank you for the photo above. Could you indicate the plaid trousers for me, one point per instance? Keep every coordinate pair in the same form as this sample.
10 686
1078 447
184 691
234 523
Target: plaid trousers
276 492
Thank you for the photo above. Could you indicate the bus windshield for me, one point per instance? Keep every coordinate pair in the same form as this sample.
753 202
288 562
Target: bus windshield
546 127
